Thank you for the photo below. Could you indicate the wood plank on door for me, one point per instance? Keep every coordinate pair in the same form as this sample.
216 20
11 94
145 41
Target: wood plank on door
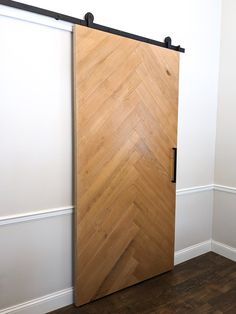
125 125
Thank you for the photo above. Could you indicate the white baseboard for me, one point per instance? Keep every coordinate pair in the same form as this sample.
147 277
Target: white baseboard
224 250
63 298
192 251
42 305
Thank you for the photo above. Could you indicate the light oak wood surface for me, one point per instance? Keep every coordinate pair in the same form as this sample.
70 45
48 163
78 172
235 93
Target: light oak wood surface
125 125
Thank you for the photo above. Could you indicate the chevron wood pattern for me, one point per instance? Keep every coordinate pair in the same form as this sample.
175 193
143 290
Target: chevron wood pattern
126 102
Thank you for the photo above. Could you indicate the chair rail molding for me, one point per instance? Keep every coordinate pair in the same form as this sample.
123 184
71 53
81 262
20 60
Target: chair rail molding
225 188
195 189
68 210
36 215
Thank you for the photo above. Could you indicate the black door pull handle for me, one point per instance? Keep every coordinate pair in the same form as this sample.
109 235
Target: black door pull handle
175 165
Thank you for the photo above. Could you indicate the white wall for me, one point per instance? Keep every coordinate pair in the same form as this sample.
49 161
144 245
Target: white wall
35 118
224 219
193 218
36 259
225 169
195 25
36 112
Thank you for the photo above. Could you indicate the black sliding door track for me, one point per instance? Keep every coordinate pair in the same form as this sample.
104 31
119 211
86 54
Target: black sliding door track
88 21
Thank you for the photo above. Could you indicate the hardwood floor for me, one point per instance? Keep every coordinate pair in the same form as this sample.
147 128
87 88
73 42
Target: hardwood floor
205 284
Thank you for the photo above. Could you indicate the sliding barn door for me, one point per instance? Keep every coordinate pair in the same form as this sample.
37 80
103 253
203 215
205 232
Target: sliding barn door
126 103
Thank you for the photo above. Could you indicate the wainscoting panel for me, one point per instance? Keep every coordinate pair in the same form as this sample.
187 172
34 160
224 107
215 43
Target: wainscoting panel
41 242
224 216
193 217
36 259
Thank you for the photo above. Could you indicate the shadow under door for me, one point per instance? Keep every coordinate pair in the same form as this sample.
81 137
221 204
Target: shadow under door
125 125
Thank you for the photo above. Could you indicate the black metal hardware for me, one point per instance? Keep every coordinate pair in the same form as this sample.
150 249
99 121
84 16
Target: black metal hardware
89 19
89 23
175 165
168 42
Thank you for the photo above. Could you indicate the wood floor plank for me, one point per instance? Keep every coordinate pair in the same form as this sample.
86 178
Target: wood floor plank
193 287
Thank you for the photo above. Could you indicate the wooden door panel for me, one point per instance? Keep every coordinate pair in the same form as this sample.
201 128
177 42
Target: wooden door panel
126 103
